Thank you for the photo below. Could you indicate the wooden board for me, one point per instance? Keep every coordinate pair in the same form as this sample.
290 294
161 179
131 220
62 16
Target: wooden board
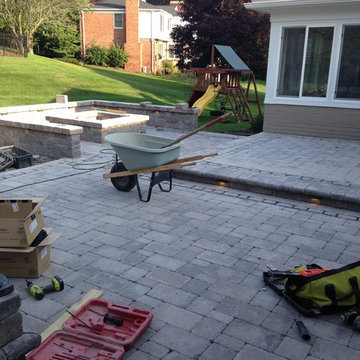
58 324
176 164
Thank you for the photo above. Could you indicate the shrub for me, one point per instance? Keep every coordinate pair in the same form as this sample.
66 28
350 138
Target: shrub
71 60
117 56
257 125
167 65
97 55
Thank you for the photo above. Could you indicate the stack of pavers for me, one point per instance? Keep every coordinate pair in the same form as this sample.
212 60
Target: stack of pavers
14 344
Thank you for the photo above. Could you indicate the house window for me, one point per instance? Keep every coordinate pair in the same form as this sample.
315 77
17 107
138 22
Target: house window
161 22
348 84
306 75
160 50
291 61
317 63
118 21
171 52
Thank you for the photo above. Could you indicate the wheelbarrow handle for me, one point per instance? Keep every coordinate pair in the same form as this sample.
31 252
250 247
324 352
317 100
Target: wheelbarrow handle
212 122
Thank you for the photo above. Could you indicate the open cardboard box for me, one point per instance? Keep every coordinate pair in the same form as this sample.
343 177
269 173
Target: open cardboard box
21 221
27 263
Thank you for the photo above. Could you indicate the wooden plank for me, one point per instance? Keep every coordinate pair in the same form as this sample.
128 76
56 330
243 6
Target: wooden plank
173 164
193 158
166 167
58 324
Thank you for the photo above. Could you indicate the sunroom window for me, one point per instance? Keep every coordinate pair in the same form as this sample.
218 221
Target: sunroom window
317 62
306 75
348 85
291 61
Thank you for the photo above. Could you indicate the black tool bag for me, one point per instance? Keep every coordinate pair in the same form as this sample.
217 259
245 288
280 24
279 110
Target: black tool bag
329 292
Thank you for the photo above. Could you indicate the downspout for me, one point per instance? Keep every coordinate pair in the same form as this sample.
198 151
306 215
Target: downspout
83 33
152 41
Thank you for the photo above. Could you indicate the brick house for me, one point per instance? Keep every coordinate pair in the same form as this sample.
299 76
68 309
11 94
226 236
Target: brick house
142 28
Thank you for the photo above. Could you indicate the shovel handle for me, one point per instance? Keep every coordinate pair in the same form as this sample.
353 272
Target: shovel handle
212 122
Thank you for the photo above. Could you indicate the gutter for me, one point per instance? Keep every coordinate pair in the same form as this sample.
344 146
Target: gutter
269 5
83 33
152 42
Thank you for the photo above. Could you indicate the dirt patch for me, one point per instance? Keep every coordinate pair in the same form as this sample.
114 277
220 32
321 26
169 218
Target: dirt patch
240 132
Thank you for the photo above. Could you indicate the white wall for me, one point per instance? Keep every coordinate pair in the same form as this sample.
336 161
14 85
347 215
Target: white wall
145 24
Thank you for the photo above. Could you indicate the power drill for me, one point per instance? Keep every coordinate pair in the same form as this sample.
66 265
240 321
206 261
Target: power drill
57 284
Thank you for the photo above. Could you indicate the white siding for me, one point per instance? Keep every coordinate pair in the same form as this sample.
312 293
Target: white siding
154 17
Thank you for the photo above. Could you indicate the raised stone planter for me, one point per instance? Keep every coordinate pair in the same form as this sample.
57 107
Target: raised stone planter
55 130
179 117
51 140
95 128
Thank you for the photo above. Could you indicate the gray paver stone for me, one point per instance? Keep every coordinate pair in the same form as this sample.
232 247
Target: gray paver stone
216 352
208 328
168 277
154 349
254 335
171 295
254 353
9 304
176 316
238 309
291 348
201 306
327 350
195 286
181 341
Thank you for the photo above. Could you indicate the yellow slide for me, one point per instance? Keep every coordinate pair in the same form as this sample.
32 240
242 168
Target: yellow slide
210 94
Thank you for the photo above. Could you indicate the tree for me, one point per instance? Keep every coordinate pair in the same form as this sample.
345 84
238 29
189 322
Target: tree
221 22
24 17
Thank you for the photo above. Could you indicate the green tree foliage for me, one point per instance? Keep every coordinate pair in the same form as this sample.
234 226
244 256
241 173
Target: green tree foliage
221 22
57 41
24 17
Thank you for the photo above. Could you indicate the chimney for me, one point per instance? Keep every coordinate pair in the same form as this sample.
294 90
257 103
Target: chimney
132 43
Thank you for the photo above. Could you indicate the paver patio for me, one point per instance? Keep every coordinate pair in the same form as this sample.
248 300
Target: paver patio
194 256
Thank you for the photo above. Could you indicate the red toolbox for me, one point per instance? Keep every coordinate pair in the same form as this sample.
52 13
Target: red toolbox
109 322
63 345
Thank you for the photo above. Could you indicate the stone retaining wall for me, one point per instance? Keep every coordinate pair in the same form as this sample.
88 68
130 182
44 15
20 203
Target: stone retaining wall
179 117
54 142
27 128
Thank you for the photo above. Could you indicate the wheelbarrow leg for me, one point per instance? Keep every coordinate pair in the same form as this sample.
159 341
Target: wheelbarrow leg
156 179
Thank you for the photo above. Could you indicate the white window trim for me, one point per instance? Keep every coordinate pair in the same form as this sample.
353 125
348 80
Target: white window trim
168 53
274 64
119 13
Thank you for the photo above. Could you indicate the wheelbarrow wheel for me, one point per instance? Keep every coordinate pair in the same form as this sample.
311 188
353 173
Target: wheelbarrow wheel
123 183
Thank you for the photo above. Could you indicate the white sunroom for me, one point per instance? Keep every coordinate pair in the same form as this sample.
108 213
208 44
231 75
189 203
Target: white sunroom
313 76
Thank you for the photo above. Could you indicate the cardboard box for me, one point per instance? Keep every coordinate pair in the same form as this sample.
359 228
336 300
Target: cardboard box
27 263
21 221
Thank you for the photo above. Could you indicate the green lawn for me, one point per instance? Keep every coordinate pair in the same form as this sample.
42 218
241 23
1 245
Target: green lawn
35 80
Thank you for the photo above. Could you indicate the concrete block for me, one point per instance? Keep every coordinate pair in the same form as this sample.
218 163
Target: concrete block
17 348
62 99
9 304
10 328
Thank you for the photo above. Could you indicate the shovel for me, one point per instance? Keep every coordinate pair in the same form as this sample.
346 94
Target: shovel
212 122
